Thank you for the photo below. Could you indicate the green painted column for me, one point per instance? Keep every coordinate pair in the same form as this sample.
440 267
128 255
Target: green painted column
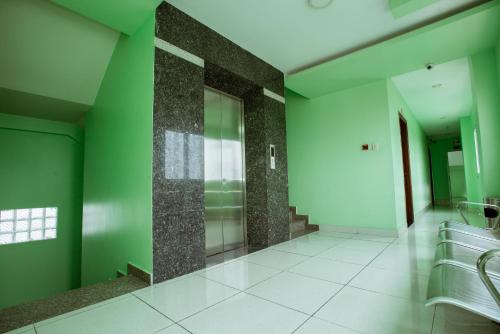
472 178
487 117
117 195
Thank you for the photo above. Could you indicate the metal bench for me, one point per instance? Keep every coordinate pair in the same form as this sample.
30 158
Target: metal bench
468 240
460 255
466 271
469 229
490 216
462 287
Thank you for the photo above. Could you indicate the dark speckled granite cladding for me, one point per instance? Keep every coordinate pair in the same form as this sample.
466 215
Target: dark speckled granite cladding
178 208
181 30
178 203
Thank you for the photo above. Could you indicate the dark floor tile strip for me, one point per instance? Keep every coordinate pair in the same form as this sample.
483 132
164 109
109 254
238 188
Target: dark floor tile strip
29 313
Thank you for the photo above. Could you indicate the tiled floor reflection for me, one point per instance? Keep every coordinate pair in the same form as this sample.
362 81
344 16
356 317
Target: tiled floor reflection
320 283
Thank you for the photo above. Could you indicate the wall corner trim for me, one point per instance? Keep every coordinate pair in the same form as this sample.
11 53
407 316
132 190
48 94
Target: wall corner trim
274 96
176 51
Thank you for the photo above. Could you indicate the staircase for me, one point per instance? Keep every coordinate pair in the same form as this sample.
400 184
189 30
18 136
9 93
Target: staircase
299 224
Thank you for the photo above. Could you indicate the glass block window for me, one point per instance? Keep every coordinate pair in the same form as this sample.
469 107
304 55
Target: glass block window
23 225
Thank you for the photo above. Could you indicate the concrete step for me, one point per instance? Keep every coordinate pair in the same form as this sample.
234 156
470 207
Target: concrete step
297 225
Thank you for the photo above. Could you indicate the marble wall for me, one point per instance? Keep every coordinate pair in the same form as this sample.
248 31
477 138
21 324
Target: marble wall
178 186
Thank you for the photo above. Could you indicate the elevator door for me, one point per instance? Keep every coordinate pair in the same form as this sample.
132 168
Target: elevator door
224 181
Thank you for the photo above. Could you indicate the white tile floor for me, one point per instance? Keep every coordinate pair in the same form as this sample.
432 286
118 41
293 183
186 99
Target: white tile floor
319 283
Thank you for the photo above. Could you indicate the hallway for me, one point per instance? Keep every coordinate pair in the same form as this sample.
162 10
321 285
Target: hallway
324 282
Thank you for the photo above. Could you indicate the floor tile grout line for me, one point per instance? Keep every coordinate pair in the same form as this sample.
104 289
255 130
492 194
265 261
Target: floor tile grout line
154 308
317 278
323 305
245 292
267 278
81 310
172 325
379 253
383 294
287 252
208 307
278 304
388 245
320 307
341 289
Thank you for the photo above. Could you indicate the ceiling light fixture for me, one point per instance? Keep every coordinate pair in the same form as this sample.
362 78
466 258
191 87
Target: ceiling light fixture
319 4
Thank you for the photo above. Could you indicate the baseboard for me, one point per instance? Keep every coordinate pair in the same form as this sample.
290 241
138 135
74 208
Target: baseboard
359 230
442 202
139 273
422 211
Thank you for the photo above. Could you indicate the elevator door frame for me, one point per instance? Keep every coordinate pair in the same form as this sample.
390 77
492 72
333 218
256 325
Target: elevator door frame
243 165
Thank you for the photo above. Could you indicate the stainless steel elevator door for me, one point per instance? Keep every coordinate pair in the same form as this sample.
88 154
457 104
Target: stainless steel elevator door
224 181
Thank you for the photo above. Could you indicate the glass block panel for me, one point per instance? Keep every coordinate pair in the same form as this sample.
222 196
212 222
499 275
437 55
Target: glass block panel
22 225
50 222
21 236
5 239
7 215
36 224
50 212
36 235
7 226
37 213
22 213
50 234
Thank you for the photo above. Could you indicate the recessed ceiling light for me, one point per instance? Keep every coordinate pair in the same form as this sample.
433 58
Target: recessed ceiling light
319 4
437 85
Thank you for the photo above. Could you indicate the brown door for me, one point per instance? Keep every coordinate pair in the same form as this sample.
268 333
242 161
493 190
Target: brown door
405 148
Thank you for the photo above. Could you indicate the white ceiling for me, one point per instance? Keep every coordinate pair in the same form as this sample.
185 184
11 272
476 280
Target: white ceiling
438 109
291 36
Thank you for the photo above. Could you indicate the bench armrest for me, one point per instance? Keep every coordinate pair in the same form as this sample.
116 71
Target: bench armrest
481 269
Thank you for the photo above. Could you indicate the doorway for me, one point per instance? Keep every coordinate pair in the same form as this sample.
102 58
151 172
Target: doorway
224 173
405 149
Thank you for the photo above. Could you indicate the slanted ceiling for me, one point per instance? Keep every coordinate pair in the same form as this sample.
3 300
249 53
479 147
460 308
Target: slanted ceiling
401 8
458 36
50 52
55 53
122 15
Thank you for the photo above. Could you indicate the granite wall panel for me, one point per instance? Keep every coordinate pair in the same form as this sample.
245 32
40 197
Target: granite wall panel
178 175
181 30
277 179
178 189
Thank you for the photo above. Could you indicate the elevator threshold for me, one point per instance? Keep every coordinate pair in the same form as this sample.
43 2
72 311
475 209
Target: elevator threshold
229 255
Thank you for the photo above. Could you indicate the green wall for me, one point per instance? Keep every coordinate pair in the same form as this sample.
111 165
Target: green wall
41 167
472 178
117 199
458 189
419 156
330 177
440 179
497 51
486 90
